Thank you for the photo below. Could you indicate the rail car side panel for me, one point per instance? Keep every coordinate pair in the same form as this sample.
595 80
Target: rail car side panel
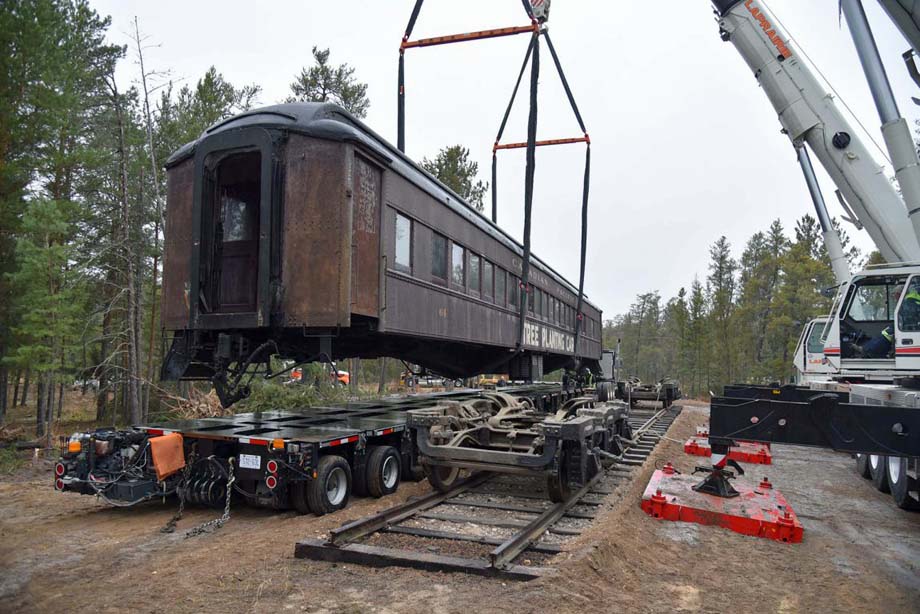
317 234
177 251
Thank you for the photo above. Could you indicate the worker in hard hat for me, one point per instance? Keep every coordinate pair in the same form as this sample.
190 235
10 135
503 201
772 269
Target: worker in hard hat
909 314
881 346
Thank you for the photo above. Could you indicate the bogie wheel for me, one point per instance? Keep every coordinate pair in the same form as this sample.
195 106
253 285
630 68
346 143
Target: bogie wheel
862 465
557 488
330 490
605 392
299 497
443 479
383 471
901 483
878 472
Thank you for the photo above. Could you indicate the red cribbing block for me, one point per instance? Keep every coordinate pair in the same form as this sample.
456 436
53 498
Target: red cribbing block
744 452
759 512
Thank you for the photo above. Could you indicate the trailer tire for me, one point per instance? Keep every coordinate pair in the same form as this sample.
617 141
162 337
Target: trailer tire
862 466
878 469
330 490
901 484
443 479
383 471
299 497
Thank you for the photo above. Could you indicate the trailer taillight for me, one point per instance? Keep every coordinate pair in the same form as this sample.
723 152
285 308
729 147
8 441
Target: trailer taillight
271 481
60 470
272 466
59 484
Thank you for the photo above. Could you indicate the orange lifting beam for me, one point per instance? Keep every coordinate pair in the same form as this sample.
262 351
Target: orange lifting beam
577 139
468 36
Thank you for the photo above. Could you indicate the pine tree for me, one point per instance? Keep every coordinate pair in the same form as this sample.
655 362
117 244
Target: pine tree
325 83
453 167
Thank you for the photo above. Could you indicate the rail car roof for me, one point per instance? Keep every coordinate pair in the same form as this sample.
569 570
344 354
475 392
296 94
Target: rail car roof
330 121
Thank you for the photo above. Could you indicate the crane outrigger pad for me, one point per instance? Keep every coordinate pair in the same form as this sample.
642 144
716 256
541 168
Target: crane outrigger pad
743 451
759 511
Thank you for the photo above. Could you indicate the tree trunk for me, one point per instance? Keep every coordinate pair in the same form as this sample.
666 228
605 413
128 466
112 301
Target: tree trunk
40 408
25 387
16 388
60 407
382 384
4 391
132 375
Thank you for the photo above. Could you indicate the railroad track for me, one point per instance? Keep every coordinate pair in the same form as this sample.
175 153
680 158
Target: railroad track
489 524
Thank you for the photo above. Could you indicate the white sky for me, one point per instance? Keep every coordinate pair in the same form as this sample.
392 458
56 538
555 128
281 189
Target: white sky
685 145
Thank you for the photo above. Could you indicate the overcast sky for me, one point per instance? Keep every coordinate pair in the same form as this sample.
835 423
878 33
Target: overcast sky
686 146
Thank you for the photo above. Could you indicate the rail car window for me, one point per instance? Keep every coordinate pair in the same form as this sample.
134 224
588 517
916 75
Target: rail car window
458 266
530 301
538 300
514 291
475 273
546 311
439 258
555 311
488 275
403 243
500 290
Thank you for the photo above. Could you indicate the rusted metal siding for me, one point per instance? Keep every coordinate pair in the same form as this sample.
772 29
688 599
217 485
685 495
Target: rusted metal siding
317 234
416 304
177 252
365 261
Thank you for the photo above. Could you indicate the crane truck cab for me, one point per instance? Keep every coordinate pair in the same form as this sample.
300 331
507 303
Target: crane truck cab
811 365
880 302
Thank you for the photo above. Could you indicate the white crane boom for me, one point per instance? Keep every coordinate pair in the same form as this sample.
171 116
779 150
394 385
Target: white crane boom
809 115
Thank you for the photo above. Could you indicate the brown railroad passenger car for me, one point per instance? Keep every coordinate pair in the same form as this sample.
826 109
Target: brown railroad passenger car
296 230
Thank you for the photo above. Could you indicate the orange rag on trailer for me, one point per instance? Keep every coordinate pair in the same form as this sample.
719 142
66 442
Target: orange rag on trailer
168 454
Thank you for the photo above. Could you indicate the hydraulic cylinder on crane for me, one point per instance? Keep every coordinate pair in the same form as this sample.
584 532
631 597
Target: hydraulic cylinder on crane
809 115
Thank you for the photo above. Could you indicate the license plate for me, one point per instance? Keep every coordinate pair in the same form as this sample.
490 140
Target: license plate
250 461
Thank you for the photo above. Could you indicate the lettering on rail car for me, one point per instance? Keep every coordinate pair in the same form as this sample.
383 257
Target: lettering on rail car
544 337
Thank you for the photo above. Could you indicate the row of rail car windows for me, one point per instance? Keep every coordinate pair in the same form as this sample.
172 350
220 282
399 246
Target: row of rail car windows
458 268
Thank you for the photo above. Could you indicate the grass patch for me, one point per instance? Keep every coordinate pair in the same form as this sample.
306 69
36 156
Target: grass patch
11 459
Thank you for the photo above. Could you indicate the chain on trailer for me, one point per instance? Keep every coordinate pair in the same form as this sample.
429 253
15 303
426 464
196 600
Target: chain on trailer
215 523
538 12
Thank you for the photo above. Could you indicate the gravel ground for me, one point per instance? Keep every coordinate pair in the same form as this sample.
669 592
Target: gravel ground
69 553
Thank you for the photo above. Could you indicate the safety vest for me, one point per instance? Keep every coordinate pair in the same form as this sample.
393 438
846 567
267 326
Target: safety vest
887 334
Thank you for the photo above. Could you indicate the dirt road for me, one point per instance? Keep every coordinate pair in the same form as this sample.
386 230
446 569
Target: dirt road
70 553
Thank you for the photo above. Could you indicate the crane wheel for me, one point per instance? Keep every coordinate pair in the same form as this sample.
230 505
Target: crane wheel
879 472
901 483
862 465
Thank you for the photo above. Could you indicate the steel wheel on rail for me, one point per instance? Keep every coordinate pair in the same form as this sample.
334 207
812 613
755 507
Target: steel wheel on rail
330 490
901 483
862 465
557 488
878 472
443 479
383 471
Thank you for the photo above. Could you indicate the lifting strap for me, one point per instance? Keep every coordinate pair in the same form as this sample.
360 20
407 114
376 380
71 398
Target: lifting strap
528 182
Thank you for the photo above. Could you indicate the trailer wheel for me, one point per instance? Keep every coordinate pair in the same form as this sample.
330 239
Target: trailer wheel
443 478
862 465
383 471
329 491
878 472
605 392
901 483
299 497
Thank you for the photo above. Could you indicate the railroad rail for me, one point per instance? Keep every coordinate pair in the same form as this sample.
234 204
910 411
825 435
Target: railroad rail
487 523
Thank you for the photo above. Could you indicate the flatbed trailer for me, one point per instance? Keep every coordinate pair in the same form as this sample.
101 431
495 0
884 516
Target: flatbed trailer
310 460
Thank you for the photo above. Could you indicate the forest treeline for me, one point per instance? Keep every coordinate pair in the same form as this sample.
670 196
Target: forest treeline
741 320
82 199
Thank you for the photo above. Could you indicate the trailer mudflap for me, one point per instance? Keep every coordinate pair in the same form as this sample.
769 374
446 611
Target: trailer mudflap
758 511
168 454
